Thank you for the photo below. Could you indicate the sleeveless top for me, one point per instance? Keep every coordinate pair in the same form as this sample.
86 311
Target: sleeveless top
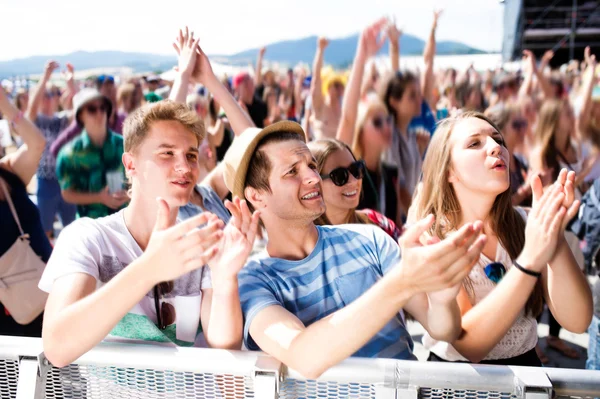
521 336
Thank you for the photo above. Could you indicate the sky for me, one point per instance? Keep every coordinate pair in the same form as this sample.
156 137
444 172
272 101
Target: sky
57 27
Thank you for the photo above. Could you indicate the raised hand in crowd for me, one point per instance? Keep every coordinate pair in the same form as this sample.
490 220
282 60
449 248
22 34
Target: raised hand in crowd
40 89
394 34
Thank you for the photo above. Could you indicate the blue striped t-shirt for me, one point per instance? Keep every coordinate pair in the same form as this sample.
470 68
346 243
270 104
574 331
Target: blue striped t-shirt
345 263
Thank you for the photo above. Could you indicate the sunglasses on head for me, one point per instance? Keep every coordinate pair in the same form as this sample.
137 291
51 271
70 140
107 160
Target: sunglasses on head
93 108
519 124
106 78
495 271
339 176
165 312
379 121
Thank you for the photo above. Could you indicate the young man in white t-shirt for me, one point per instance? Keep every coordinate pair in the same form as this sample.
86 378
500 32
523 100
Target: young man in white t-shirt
106 276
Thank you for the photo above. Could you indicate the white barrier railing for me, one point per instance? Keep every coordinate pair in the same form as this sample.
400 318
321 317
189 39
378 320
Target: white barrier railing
116 371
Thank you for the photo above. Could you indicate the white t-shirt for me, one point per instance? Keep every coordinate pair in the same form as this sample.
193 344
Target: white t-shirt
102 248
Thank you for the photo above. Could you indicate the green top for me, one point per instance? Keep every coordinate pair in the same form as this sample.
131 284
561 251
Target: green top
82 167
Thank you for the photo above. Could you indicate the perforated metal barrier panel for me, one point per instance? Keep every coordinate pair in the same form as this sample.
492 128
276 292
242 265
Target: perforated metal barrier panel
9 376
427 393
91 382
311 389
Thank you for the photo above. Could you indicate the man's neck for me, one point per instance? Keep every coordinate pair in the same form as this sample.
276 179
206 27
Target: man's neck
140 218
291 242
98 137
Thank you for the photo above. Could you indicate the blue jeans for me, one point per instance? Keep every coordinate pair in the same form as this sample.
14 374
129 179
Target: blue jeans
593 360
50 202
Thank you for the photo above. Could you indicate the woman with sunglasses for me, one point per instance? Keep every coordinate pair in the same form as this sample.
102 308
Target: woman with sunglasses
525 259
342 178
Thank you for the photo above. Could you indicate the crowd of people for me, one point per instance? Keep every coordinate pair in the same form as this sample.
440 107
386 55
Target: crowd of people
277 210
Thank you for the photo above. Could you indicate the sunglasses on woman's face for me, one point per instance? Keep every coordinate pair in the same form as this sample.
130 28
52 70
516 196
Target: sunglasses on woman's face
380 121
165 312
339 176
495 271
92 108
519 124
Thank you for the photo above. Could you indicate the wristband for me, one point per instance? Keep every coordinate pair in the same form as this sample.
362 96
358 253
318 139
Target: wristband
527 271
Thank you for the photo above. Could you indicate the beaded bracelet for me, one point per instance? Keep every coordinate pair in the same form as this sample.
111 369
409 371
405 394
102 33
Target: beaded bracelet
527 271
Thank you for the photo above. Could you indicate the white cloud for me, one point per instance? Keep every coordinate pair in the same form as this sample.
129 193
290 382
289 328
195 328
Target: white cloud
41 27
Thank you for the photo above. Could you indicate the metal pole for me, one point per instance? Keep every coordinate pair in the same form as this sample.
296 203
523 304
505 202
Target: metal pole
573 27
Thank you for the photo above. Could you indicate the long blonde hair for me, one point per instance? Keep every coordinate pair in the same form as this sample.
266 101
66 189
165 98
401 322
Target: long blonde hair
365 109
437 197
546 131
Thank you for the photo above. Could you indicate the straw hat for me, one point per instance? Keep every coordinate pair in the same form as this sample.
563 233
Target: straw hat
237 158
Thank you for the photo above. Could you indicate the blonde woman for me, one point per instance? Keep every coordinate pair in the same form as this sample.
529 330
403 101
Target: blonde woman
526 258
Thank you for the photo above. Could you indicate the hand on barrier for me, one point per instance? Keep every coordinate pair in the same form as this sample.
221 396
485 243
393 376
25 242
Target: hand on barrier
177 249
236 244
437 265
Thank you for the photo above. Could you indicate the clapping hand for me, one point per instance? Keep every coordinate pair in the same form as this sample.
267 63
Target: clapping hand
236 243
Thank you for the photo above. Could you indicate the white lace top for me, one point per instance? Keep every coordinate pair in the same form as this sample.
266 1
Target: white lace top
520 338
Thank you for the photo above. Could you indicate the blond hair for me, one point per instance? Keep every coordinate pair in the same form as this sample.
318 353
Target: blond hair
365 109
437 197
138 123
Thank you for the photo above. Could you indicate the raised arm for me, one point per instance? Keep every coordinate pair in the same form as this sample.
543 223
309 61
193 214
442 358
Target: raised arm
39 90
186 48
394 35
258 77
531 69
427 78
24 161
66 99
543 82
369 44
586 90
316 91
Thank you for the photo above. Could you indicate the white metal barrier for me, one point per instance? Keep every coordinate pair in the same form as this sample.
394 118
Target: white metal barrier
119 371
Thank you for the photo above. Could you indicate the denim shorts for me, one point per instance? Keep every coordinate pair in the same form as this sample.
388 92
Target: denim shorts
593 360
50 202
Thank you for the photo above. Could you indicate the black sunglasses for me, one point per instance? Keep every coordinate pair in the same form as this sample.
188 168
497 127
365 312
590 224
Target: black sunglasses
519 124
379 122
495 271
165 312
339 176
92 108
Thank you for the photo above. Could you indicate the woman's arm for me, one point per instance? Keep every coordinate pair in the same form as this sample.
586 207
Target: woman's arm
586 93
427 78
40 90
368 45
258 74
316 92
24 161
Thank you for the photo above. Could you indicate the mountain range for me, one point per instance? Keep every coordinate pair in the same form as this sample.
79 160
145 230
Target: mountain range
339 53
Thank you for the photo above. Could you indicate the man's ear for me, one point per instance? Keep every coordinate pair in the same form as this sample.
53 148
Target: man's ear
129 163
255 197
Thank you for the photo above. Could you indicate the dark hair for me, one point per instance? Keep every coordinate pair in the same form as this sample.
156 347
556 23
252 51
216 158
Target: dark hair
394 87
212 110
259 168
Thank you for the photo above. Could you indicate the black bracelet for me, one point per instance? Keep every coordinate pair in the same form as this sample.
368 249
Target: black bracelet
527 271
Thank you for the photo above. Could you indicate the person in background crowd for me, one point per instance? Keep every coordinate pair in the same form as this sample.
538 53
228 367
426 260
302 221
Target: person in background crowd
152 85
16 170
526 258
43 110
22 100
89 168
367 127
326 96
243 85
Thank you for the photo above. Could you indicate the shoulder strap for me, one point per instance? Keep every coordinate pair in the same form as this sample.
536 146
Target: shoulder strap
11 205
